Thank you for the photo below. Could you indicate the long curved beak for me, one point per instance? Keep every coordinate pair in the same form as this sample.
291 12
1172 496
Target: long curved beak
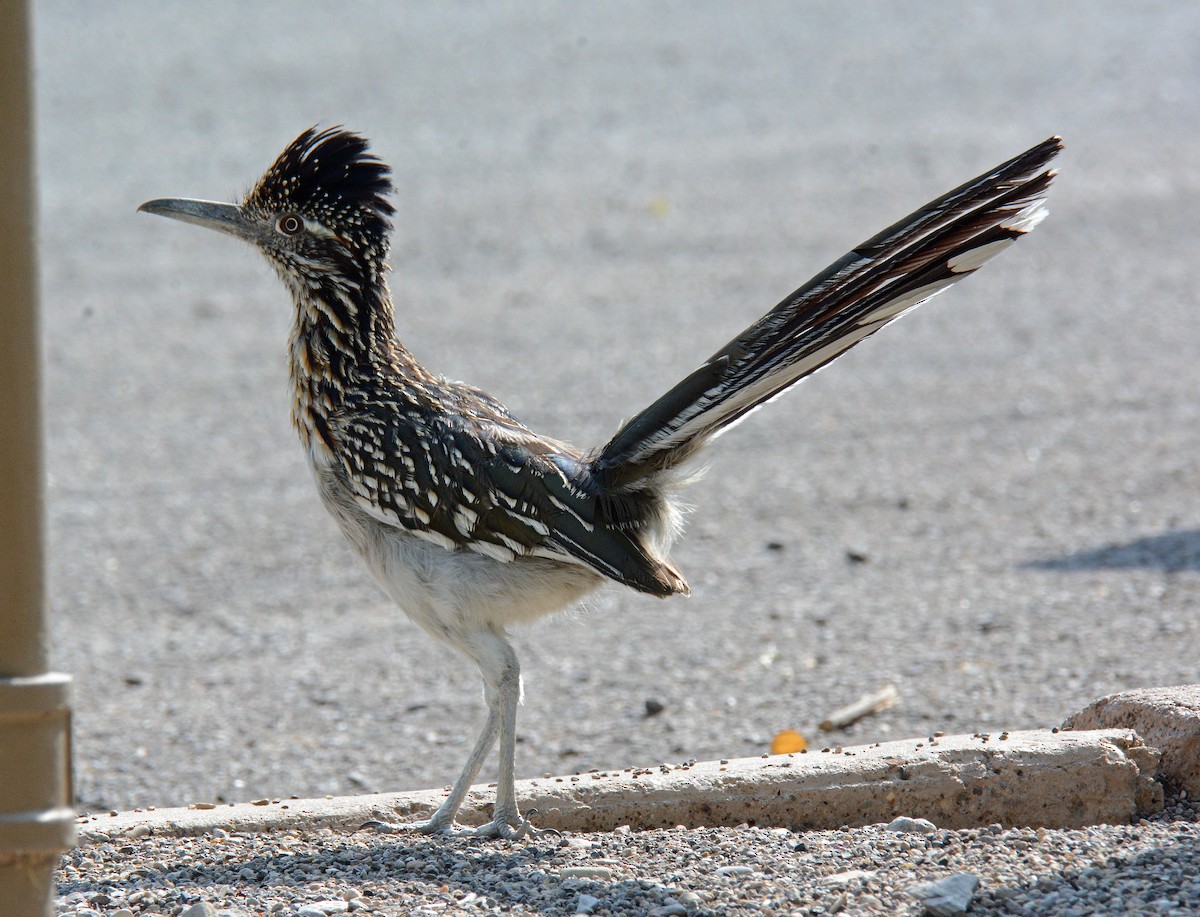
227 218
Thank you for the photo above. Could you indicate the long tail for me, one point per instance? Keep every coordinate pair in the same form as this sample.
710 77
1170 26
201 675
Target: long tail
880 280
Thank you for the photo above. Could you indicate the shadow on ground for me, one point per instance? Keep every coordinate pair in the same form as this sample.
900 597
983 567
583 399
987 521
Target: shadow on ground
1156 880
1109 869
420 876
1172 552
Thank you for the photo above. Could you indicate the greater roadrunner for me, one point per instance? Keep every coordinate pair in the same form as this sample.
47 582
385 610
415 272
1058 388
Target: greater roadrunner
469 520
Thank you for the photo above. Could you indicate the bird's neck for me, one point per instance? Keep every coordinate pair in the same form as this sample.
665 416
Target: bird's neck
342 340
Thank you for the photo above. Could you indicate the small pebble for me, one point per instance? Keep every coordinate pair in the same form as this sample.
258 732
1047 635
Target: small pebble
199 909
585 904
674 909
905 825
946 897
850 875
323 908
734 871
585 872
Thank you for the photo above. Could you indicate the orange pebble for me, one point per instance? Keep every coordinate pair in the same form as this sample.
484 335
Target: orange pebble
788 741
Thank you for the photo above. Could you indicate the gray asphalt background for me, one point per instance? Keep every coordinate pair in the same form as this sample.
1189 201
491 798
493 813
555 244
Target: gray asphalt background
591 198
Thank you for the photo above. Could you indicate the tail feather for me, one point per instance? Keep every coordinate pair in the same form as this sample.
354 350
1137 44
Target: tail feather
883 278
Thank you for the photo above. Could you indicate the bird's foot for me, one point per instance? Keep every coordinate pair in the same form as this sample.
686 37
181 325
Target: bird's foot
429 826
512 827
384 827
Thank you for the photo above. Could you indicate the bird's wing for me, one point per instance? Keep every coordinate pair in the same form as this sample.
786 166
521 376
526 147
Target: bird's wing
479 480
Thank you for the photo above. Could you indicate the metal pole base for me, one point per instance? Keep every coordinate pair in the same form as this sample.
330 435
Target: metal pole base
36 823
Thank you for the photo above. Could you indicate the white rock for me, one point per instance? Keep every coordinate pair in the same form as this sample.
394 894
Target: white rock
585 872
585 904
323 908
947 897
850 875
905 825
675 909
734 871
199 909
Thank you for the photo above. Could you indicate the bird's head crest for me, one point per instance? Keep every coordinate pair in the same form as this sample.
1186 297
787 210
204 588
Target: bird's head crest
328 176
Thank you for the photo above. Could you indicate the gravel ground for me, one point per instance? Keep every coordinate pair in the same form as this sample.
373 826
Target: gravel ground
1148 868
992 507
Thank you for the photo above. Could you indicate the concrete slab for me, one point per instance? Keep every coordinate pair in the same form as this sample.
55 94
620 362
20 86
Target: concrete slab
1166 718
1036 778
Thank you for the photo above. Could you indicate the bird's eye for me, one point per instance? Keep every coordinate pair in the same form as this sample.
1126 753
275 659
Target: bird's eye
289 224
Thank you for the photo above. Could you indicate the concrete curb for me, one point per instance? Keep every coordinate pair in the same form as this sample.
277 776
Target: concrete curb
1037 778
1167 719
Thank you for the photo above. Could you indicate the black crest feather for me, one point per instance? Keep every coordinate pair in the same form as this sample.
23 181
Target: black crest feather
330 176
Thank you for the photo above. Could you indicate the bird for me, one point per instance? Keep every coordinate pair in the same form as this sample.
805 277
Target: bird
471 522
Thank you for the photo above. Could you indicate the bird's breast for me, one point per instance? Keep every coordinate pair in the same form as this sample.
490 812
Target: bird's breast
315 395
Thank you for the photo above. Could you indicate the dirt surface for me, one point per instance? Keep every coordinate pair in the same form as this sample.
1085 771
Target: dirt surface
1147 868
992 506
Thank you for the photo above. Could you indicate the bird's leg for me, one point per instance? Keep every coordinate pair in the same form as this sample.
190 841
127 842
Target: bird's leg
507 821
442 821
506 793
501 673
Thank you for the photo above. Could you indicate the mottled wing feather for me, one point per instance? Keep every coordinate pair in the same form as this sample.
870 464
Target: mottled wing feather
469 476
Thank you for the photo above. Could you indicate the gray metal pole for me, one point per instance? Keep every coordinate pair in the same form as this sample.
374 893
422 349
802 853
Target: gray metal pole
36 821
